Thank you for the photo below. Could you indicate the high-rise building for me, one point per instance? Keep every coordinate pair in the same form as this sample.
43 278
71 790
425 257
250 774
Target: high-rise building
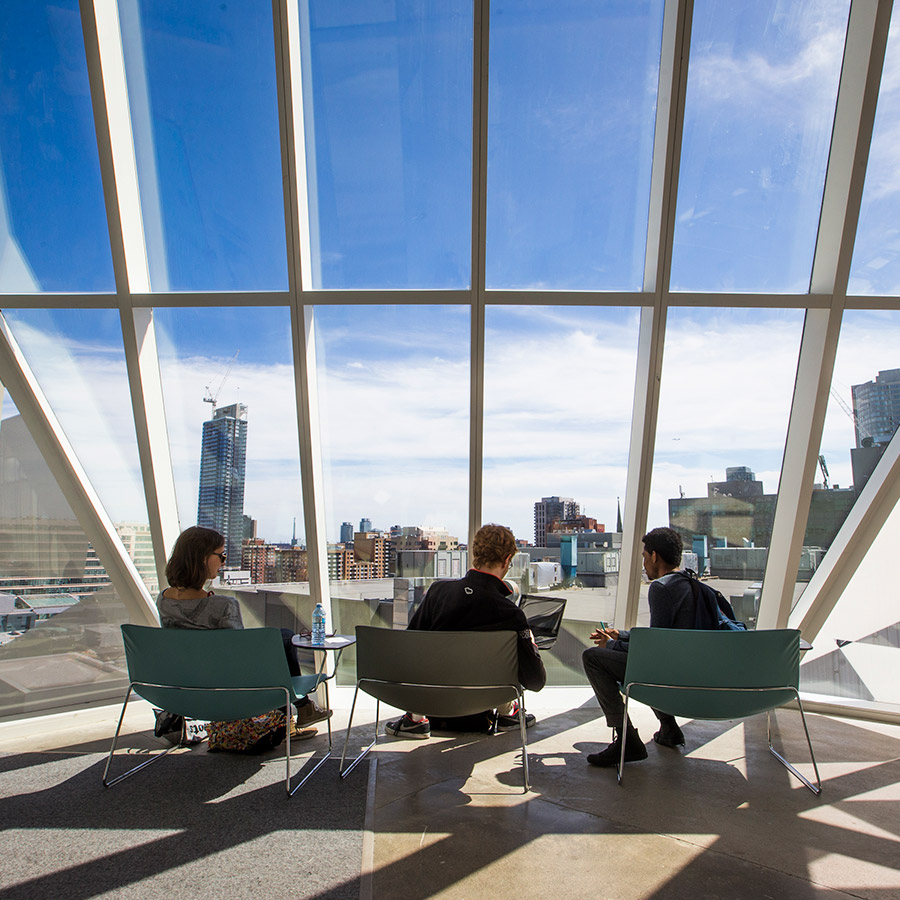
546 510
223 465
365 524
346 532
876 408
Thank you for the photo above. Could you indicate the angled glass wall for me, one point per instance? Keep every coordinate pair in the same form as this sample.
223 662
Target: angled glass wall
79 361
762 85
728 378
53 233
558 394
572 112
387 118
59 615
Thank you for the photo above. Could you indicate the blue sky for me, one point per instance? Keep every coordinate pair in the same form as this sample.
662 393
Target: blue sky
388 119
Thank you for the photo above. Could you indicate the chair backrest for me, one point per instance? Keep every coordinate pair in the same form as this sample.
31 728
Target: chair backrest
190 661
441 673
753 670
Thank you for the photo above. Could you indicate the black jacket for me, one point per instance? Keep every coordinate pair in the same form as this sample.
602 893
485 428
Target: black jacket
480 602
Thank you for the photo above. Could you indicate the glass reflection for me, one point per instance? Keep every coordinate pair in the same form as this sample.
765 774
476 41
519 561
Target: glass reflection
558 392
762 85
78 359
720 441
59 615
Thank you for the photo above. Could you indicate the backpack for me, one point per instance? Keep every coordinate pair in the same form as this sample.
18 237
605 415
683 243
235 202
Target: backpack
712 610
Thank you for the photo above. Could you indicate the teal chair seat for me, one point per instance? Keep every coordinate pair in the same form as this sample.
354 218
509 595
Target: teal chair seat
716 675
217 675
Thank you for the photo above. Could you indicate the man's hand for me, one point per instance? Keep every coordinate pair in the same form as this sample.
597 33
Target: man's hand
602 636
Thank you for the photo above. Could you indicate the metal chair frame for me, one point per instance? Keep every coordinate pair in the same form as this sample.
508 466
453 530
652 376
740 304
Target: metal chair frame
289 697
815 788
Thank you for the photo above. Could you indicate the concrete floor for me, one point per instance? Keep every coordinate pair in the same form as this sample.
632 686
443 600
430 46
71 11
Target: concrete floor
720 818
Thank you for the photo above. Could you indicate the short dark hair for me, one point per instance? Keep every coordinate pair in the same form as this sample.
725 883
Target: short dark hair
491 545
666 542
186 567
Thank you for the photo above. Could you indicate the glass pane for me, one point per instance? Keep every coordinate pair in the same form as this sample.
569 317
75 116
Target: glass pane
59 615
394 407
863 415
558 392
388 121
761 92
876 253
78 359
856 653
727 384
53 234
232 421
572 114
204 109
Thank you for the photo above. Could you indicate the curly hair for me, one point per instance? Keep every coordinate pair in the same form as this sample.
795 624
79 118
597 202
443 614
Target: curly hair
491 546
666 542
186 567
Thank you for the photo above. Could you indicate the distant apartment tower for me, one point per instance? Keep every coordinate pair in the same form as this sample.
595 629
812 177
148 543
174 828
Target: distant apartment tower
365 524
273 563
346 532
876 408
223 466
546 510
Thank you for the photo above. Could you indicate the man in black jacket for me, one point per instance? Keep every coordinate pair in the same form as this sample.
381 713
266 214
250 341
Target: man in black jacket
672 605
479 602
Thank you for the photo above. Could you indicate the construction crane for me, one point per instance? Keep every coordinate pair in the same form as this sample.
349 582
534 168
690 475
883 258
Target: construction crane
824 469
851 413
211 397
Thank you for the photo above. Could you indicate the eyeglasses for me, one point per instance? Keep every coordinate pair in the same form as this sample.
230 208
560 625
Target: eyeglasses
222 556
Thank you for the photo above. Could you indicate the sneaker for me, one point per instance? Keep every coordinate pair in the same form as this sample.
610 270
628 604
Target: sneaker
669 734
310 713
512 720
409 727
302 734
634 750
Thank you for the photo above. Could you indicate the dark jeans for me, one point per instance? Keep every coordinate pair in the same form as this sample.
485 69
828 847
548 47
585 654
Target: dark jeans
605 670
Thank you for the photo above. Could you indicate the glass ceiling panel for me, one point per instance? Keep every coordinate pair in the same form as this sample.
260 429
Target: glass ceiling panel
571 121
388 122
761 93
876 255
53 234
203 102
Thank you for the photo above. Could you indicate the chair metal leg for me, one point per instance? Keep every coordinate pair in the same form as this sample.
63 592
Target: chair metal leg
345 772
112 749
620 768
291 791
522 729
815 788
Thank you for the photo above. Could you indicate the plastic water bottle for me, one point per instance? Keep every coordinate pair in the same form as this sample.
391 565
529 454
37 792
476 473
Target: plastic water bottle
318 624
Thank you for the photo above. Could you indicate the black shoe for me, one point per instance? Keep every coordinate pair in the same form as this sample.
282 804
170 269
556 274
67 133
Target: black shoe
512 720
408 727
634 751
669 735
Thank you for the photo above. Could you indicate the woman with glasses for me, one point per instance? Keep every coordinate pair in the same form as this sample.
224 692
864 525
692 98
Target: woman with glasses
196 558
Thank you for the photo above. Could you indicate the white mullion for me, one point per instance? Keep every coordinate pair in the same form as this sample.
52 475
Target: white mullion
286 18
674 53
854 118
118 169
480 84
57 452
